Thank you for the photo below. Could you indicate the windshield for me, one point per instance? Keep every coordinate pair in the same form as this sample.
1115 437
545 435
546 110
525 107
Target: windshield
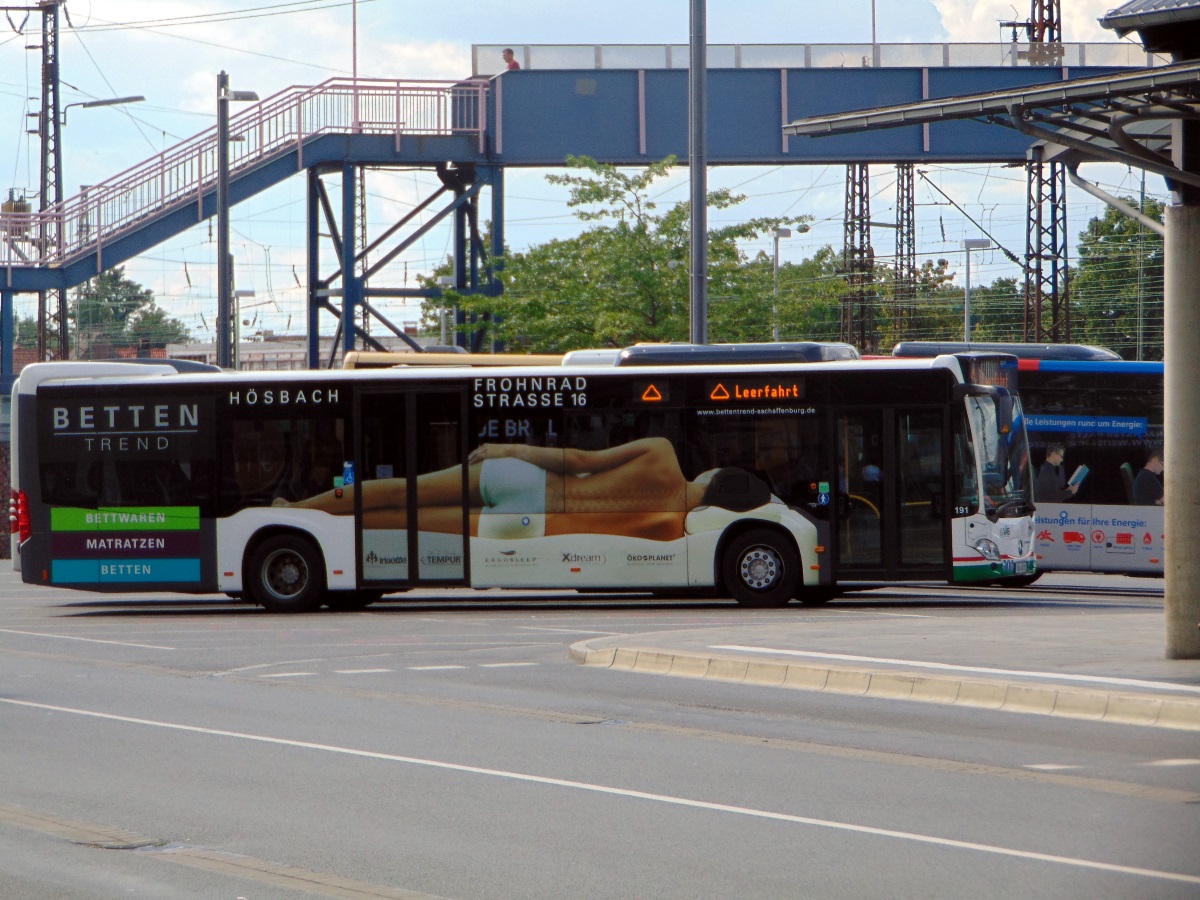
1004 458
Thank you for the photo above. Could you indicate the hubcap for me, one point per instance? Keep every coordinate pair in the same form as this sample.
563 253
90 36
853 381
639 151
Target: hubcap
286 574
760 568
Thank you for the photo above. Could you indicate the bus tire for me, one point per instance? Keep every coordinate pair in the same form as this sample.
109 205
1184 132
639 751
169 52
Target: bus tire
348 601
286 574
761 568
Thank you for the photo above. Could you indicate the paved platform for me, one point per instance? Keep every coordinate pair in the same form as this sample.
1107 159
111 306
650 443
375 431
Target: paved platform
1104 665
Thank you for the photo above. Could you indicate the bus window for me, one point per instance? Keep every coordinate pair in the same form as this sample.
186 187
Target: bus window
276 459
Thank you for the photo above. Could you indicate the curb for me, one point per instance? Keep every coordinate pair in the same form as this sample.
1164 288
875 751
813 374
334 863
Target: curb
1123 708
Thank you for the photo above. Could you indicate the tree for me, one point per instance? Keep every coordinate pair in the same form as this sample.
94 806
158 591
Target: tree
810 298
26 332
112 312
625 279
1117 288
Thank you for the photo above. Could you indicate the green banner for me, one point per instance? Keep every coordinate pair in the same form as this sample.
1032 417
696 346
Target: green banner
126 518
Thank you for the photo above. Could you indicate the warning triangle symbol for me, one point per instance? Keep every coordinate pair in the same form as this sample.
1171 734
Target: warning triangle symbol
651 394
719 393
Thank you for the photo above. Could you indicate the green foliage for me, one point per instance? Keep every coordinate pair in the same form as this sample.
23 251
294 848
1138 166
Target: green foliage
625 279
26 332
111 312
1120 260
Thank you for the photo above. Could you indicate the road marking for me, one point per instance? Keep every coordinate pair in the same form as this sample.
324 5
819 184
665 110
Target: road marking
568 630
589 787
432 668
68 637
245 867
361 671
979 670
511 665
287 674
1050 767
1172 762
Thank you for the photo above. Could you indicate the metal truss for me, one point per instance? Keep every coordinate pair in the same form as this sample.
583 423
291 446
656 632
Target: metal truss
360 260
858 306
1046 254
53 341
905 291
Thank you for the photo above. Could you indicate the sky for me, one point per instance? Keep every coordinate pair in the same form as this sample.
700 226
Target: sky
171 51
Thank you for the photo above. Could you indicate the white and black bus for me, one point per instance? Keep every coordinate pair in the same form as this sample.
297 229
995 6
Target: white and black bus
763 472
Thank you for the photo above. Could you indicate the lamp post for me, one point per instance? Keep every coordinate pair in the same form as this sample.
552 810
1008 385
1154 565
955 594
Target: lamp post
224 260
968 245
779 233
89 104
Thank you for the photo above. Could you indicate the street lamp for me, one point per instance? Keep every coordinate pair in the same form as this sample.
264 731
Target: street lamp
779 233
115 101
224 260
968 245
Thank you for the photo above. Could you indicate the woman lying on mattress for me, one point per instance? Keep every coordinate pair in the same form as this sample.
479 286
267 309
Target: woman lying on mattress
519 490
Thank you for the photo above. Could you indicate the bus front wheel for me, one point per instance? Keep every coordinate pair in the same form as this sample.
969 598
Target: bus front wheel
285 574
761 568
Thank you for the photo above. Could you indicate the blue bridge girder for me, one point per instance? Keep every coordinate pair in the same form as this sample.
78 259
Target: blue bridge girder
529 118
635 117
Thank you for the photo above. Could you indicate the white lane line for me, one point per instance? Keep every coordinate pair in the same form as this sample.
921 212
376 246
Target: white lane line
432 668
287 675
1172 762
547 628
512 665
68 637
627 793
1053 676
1050 767
361 671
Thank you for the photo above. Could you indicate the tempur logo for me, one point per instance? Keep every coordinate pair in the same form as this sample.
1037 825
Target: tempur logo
441 559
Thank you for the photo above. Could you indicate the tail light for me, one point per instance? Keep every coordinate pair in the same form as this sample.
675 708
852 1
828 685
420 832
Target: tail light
18 516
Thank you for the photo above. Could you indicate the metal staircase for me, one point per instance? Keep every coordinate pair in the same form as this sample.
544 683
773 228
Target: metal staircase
186 175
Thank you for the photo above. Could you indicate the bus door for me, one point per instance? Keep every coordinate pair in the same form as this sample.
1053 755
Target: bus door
891 519
412 479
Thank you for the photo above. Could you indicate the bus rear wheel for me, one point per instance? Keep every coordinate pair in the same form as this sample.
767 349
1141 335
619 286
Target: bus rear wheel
761 568
285 574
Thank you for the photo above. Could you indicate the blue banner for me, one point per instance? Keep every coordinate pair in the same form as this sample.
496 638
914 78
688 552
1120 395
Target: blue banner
1132 426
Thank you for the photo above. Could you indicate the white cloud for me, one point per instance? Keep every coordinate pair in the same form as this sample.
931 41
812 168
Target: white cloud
972 21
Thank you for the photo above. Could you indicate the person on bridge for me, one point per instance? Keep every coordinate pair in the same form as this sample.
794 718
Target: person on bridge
510 62
636 489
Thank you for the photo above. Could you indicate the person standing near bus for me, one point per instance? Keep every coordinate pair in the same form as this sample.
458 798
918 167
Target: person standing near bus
510 62
1148 487
1051 485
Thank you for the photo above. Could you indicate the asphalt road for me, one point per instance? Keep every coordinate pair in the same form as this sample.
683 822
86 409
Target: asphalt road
180 747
